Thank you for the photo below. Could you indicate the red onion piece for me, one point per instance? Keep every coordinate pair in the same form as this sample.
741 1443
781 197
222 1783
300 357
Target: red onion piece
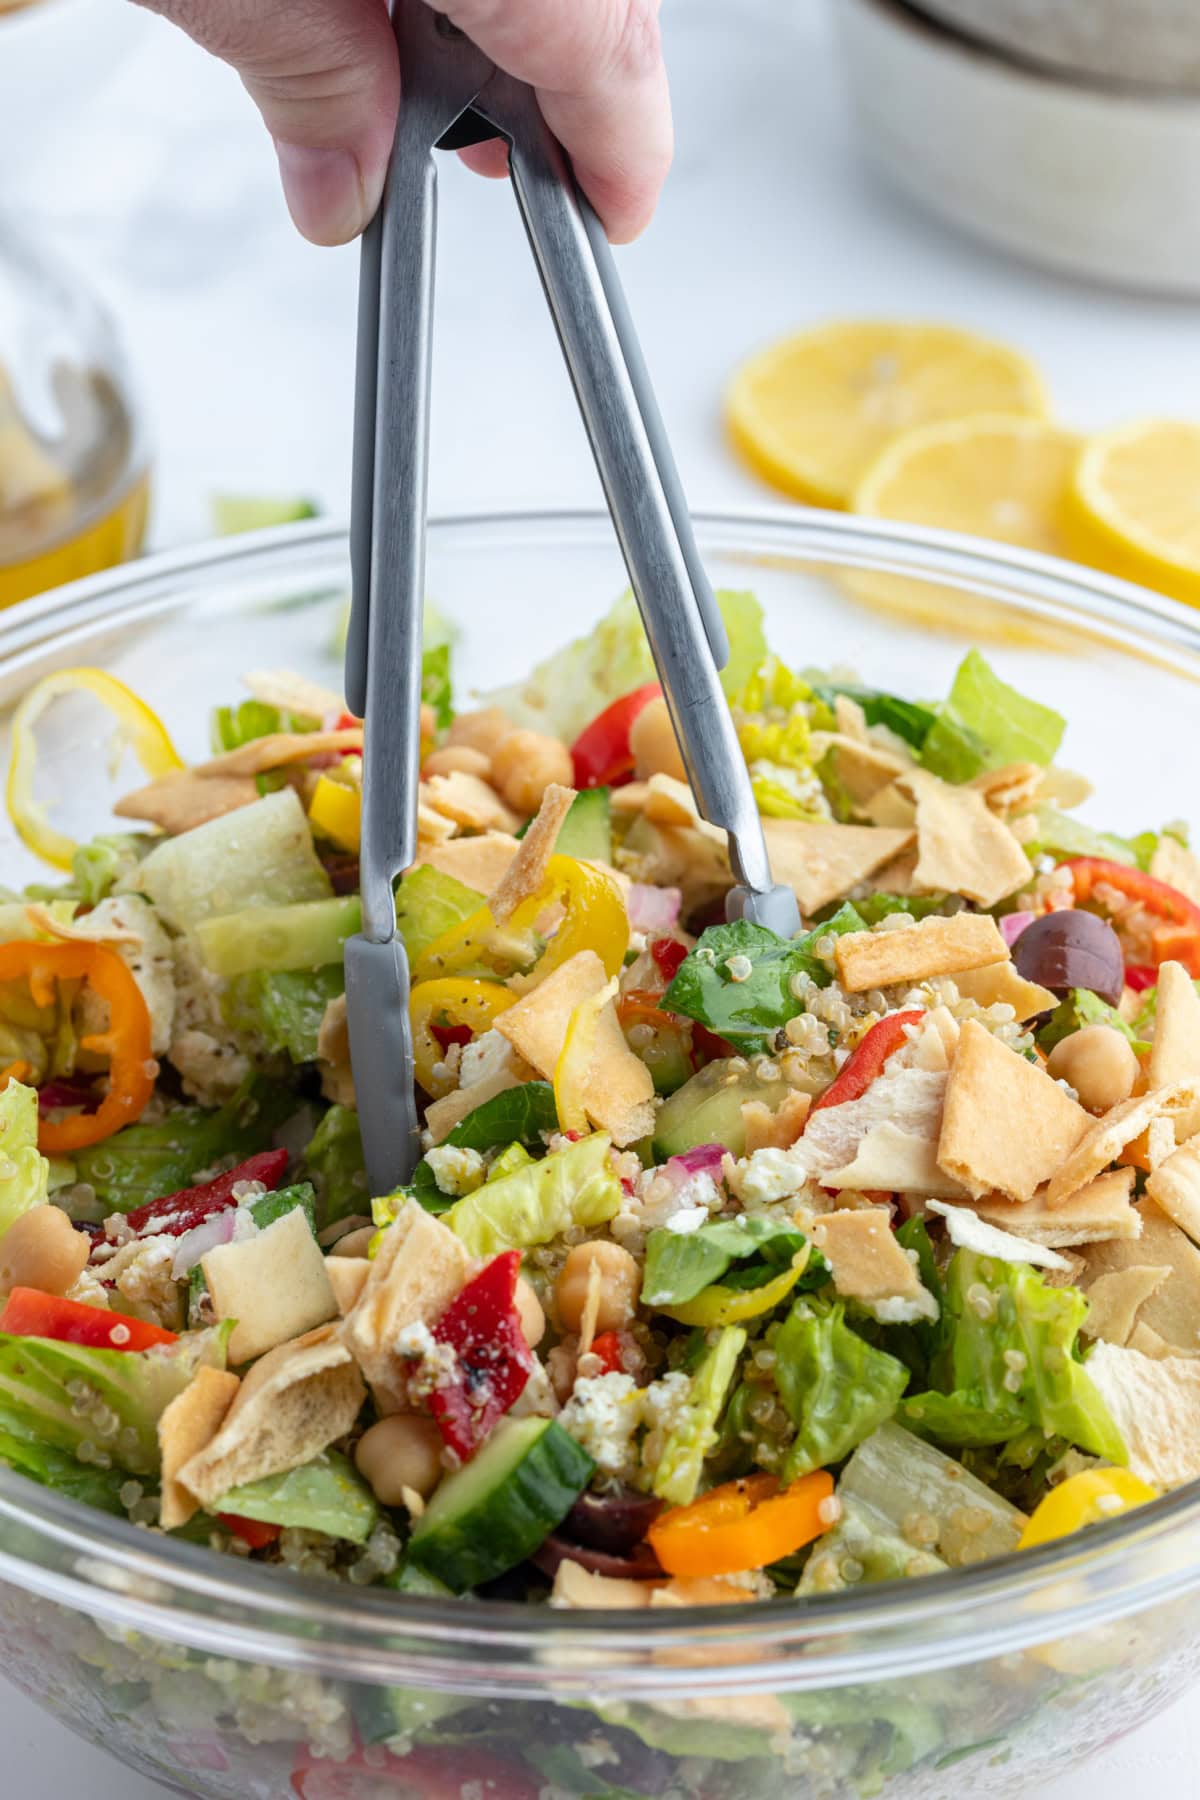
653 908
1013 924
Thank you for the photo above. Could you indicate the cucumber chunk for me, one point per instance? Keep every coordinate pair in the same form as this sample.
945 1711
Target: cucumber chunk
586 832
708 1109
489 1516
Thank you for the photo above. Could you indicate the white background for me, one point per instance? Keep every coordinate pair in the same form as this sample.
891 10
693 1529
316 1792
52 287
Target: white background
161 189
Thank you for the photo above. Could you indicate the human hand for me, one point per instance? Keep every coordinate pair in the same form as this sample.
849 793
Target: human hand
325 76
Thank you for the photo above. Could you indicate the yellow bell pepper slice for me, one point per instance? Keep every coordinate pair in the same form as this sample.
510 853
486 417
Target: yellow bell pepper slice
141 728
335 810
595 920
731 1306
575 1060
459 1000
1085 1499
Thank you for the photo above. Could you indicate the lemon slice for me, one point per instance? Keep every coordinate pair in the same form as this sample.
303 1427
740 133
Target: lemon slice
995 476
812 413
1134 507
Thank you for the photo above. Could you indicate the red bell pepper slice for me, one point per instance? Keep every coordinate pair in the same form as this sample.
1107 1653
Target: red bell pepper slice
867 1061
251 1531
1140 976
176 1213
601 753
669 956
608 1348
494 1362
1178 937
30 1313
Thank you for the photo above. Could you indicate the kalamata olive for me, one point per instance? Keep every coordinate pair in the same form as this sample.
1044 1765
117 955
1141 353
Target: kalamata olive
1072 949
612 1522
640 1565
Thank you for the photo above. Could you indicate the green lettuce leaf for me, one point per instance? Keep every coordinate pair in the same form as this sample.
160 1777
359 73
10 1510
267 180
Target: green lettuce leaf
146 1161
868 1538
900 1477
24 1172
1081 1007
572 1187
985 724
327 1494
335 1162
232 726
836 1386
517 1116
680 1265
677 1474
101 1403
24 1450
906 718
260 855
1059 835
436 690
748 1008
428 903
283 1008
1011 1357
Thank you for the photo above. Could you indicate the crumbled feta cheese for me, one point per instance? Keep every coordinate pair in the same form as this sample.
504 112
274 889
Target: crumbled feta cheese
664 1406
144 1274
487 1055
433 1365
906 1309
455 1170
770 1175
604 1415
690 1219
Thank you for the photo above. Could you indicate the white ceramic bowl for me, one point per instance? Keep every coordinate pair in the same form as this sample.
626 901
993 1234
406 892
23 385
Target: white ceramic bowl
1089 180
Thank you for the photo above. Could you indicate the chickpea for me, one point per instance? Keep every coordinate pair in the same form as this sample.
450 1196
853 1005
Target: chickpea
42 1250
402 1451
652 740
525 764
1098 1063
620 1281
355 1243
455 759
484 730
529 1311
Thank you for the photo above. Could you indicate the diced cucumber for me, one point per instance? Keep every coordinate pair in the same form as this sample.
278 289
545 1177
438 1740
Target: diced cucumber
233 513
428 903
260 855
489 1516
708 1109
586 832
383 1713
306 936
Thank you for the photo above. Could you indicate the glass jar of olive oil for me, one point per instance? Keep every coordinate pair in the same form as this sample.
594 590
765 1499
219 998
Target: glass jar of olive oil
74 468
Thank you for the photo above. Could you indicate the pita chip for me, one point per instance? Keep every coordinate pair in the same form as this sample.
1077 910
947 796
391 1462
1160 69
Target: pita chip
911 953
1173 863
348 1278
964 848
526 873
822 862
778 1130
293 693
1175 1187
1000 985
1010 789
899 876
279 749
443 1115
470 801
1116 1130
892 808
1103 1209
537 1025
867 1262
188 1425
1173 1309
273 1284
620 1088
1145 1339
419 1268
891 1160
1175 1052
293 1403
860 767
432 827
1006 1127
1113 1300
179 802
478 862
968 1231
1156 1408
671 802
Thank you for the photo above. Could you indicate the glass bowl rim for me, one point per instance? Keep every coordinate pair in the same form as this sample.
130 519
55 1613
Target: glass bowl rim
107 1566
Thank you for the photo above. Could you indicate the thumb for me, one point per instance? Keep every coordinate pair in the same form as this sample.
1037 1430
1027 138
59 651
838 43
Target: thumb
325 75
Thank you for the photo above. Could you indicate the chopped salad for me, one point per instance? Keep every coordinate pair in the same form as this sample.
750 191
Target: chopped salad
734 1266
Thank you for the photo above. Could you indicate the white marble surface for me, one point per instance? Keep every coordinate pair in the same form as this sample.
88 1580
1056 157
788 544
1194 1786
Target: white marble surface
162 189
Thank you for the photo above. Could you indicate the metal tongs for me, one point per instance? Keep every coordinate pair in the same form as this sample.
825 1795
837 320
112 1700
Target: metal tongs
454 96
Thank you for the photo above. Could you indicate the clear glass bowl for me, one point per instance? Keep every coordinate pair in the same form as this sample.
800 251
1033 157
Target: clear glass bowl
237 1682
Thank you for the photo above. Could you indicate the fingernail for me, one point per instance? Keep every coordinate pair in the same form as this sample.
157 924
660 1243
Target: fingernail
324 192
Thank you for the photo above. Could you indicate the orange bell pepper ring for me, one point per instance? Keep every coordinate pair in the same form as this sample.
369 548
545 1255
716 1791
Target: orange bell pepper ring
125 1041
1177 939
742 1525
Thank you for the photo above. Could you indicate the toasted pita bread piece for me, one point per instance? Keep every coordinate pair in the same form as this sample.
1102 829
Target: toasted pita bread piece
188 1425
920 952
478 862
821 863
671 802
419 1268
274 1284
776 1130
1103 1209
576 1589
470 801
1010 789
348 1278
1114 1299
620 1088
179 802
1143 1338
1007 1127
964 848
891 1160
1156 1408
1175 1187
968 1231
860 767
293 693
537 1025
1173 1310
898 877
526 873
861 1249
280 749
1175 1052
1118 1128
294 1403
1178 867
432 827
443 1115
1000 985
894 809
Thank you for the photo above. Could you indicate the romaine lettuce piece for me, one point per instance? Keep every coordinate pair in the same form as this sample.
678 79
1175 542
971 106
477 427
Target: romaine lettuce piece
100 1404
283 1008
96 868
738 979
985 724
904 1480
906 718
428 903
519 1115
680 1265
334 1160
867 1539
23 1449
836 1387
24 1172
232 726
1081 1008
575 1186
260 855
1010 1358
436 690
327 1494
146 1161
1060 835
676 1476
